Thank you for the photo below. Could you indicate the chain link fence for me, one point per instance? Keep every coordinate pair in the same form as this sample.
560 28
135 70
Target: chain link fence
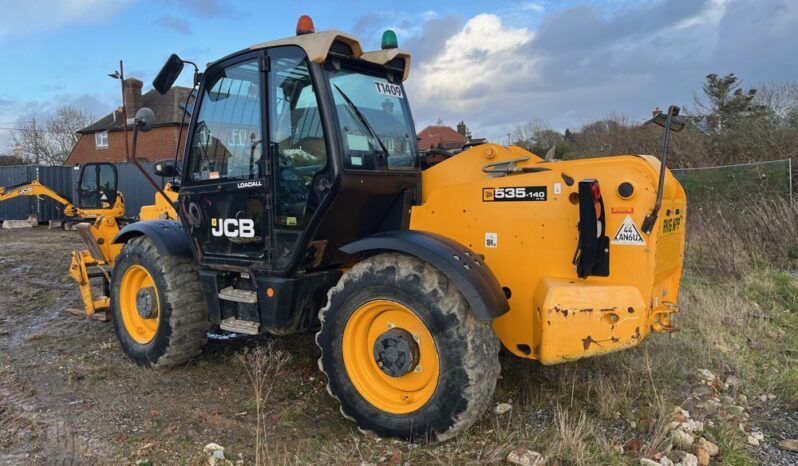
735 183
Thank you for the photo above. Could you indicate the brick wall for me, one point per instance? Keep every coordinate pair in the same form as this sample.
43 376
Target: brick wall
156 144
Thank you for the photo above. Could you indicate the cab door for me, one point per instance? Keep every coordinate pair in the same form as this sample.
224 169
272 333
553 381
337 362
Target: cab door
224 200
97 186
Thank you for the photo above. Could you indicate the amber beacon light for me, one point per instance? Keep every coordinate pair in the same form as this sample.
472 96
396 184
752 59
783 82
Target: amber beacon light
305 25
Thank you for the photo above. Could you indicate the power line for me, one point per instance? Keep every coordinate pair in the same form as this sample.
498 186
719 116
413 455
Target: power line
29 130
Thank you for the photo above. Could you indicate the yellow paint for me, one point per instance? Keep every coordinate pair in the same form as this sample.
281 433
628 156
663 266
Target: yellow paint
34 188
397 395
141 330
161 209
101 234
536 241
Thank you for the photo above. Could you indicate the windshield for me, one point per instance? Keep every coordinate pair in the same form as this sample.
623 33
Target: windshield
374 121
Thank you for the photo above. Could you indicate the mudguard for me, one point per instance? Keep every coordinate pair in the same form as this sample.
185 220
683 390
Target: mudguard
465 268
168 236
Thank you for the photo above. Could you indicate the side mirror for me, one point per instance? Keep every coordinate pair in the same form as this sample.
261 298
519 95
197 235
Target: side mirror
168 74
677 122
165 169
145 119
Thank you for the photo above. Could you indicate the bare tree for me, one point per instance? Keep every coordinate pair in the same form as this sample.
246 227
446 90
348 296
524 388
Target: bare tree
536 135
50 141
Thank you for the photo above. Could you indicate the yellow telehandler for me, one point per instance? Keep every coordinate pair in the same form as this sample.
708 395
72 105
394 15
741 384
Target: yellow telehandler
302 206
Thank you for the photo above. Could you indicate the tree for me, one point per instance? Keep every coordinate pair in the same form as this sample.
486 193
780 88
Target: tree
536 135
49 142
727 101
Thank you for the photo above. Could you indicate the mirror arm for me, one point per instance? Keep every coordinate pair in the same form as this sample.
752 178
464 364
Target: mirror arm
140 167
651 218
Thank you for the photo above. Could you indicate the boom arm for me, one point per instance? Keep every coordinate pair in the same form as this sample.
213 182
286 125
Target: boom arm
34 188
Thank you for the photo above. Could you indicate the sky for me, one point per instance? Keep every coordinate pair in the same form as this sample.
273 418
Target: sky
494 64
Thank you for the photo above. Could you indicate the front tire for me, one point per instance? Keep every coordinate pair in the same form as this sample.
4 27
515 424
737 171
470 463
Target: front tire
159 313
403 352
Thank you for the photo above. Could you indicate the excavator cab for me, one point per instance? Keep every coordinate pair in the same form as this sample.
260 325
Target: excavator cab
97 186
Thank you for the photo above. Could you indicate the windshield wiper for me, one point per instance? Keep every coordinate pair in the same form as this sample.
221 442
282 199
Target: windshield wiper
362 119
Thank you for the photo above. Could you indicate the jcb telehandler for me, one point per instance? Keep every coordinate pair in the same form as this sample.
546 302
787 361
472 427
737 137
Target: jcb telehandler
301 206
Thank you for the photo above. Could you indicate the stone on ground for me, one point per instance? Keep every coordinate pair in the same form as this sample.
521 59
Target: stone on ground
524 457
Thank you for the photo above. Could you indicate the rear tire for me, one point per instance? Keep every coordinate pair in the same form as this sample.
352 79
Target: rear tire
455 359
159 312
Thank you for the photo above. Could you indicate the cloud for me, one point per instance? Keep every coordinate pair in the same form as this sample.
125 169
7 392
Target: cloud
14 111
36 16
174 23
585 62
530 6
369 27
475 62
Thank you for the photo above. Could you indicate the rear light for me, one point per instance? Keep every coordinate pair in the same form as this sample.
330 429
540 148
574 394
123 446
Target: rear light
592 257
595 189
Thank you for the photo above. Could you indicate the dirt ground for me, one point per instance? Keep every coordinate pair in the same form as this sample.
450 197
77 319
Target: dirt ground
69 396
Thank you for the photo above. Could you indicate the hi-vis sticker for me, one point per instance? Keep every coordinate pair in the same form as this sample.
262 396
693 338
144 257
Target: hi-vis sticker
388 89
628 234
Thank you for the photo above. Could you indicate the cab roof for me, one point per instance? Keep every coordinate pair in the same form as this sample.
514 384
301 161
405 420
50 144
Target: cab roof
317 46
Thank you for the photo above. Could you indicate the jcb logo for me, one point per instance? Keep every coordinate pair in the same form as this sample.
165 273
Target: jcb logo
233 227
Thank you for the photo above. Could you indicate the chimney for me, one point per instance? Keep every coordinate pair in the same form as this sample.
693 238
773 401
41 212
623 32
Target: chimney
133 99
461 128
656 113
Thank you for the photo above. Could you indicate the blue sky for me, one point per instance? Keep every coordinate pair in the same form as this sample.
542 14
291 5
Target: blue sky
494 64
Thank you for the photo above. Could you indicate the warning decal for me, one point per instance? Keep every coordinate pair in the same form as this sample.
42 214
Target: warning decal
628 233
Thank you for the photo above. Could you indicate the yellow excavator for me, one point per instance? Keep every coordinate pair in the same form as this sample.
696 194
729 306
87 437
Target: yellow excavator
303 205
97 259
96 196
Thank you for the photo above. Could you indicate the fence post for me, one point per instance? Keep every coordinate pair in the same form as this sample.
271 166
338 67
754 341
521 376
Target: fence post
790 169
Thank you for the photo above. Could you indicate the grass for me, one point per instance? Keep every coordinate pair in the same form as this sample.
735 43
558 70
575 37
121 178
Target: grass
740 318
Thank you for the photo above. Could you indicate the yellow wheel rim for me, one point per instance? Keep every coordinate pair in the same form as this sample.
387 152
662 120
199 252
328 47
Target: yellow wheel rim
398 395
141 324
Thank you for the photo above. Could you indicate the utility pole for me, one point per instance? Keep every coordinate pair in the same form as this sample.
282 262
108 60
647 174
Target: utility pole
35 143
124 109
120 75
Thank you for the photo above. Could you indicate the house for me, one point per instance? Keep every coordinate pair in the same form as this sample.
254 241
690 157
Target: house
104 140
439 136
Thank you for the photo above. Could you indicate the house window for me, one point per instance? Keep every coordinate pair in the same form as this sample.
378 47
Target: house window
101 140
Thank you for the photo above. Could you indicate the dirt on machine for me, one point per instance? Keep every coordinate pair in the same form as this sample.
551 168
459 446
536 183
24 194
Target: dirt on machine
300 204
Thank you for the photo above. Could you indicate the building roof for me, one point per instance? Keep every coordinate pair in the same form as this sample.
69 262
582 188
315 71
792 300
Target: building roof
167 110
443 137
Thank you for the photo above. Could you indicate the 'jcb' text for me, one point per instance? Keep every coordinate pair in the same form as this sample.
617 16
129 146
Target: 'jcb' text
233 227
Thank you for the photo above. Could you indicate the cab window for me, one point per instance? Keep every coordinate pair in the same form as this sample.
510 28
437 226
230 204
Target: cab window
374 120
297 141
226 144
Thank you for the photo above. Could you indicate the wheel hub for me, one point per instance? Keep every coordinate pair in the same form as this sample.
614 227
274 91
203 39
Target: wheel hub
396 352
145 302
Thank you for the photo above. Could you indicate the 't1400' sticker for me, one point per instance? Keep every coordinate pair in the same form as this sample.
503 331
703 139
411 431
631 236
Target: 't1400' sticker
520 193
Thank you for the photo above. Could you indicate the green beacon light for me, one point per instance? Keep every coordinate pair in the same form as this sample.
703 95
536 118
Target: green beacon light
389 40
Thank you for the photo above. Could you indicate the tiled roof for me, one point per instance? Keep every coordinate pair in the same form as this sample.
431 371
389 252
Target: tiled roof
166 107
440 136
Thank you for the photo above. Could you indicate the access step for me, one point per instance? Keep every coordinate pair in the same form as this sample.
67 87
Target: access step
231 324
239 296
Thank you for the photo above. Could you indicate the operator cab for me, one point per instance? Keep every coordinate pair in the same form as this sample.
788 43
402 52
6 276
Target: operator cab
97 186
296 147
